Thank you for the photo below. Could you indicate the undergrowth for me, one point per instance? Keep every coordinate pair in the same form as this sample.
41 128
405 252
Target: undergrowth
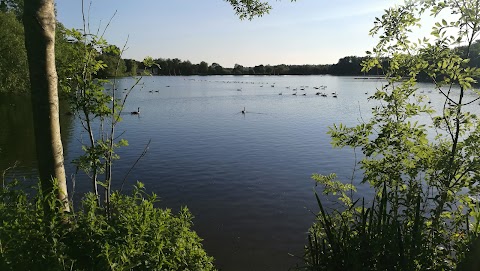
135 236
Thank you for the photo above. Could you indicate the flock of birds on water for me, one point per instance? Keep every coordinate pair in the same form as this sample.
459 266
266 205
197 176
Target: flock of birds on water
321 90
295 91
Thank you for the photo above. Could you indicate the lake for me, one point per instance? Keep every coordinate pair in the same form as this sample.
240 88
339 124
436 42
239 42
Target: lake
245 177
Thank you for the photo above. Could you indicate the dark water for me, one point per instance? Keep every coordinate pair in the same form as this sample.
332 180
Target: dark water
245 177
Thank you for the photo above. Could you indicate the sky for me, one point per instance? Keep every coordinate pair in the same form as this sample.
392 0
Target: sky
301 32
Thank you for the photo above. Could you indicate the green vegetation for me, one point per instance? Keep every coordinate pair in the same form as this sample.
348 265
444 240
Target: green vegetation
136 235
426 212
350 65
95 104
13 60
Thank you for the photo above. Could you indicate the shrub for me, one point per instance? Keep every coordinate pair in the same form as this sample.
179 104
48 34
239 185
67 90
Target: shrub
135 235
421 161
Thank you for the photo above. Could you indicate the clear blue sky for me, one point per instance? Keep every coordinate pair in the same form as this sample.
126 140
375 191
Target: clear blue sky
302 32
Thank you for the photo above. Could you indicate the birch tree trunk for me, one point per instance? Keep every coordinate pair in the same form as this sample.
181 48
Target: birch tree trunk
39 23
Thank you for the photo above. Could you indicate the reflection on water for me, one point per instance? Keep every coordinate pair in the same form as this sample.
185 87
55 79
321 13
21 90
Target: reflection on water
245 177
17 141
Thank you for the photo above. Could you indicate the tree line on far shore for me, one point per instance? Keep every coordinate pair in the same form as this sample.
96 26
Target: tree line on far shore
350 65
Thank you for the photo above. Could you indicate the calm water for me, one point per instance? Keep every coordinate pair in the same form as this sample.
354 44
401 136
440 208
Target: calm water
245 177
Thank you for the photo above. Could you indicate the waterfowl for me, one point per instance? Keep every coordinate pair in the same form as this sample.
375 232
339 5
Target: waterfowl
136 112
244 111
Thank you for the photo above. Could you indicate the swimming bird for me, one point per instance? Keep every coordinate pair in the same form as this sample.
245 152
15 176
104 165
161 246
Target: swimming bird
244 111
136 112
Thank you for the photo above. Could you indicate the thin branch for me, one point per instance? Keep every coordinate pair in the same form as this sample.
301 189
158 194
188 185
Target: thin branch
5 172
145 150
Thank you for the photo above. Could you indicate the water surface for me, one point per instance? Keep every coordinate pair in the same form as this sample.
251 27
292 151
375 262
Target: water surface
245 177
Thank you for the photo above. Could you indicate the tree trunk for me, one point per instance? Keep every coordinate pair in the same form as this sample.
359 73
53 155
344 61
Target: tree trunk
39 23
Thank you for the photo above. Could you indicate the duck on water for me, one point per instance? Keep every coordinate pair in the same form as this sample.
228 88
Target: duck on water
136 112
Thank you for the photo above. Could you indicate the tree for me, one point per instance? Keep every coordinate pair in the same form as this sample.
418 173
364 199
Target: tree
423 164
175 63
350 65
249 8
68 58
111 69
203 68
131 67
237 69
15 6
187 68
260 69
13 61
39 24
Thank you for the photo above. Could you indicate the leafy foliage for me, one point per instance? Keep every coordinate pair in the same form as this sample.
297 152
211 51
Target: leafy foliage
248 9
13 60
425 214
95 103
137 236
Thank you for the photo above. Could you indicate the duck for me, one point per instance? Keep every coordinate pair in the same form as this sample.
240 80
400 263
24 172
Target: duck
244 111
136 112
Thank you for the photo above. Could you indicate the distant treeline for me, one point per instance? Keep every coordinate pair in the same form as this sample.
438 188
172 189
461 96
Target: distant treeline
350 65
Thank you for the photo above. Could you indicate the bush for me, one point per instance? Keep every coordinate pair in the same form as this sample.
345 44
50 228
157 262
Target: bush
132 235
377 237
422 161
